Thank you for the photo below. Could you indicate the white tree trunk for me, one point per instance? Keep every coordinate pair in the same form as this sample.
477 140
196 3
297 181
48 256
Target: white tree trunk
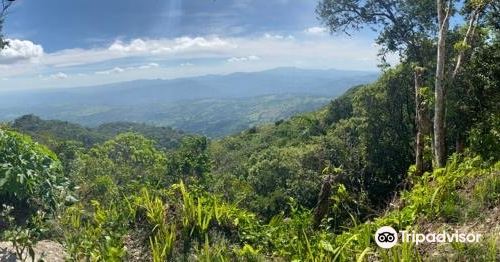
439 88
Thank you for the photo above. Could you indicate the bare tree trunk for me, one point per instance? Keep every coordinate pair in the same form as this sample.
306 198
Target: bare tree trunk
439 108
323 201
459 144
419 114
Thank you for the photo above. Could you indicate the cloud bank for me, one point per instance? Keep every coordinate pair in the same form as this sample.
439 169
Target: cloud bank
145 58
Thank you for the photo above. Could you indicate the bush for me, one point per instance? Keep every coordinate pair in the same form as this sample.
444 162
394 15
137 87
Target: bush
120 166
30 175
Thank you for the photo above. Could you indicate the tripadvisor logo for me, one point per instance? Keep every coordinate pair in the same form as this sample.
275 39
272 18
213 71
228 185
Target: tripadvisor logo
387 237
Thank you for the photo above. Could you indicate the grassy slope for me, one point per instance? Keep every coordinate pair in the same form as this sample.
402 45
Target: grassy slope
464 196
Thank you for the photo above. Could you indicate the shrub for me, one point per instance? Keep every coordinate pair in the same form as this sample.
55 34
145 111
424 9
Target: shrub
30 175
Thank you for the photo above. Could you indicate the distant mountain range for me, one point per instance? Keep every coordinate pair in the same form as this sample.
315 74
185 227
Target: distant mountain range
281 91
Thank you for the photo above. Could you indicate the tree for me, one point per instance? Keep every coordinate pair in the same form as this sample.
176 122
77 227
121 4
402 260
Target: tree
420 113
121 165
409 27
481 15
475 112
190 161
473 10
444 11
31 176
3 12
405 27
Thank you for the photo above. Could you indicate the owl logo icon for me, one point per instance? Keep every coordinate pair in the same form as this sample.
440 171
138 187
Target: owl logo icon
386 237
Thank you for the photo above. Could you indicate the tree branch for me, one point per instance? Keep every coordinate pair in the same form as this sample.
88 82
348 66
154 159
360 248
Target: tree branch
5 5
473 21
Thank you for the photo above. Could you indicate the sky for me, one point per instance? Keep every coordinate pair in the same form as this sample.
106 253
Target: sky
61 43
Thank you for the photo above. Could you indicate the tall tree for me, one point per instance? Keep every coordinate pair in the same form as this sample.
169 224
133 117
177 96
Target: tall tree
480 14
410 27
473 11
444 9
420 121
405 27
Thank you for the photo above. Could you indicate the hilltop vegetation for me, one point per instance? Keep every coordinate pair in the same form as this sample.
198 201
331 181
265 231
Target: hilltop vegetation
252 196
314 187
256 196
362 131
54 132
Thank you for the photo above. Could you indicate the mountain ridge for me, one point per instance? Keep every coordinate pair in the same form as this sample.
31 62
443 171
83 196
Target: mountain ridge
239 98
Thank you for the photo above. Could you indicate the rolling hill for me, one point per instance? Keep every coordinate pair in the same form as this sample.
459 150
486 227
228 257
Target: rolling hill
212 105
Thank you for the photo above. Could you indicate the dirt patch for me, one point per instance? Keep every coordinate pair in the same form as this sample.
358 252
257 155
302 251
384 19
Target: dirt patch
488 226
45 250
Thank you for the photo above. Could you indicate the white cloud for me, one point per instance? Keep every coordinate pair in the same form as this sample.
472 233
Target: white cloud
115 70
200 42
278 36
20 50
243 59
136 45
59 75
56 76
158 48
148 66
216 55
316 30
166 46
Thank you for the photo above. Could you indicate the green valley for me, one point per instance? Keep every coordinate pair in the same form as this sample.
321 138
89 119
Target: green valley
178 131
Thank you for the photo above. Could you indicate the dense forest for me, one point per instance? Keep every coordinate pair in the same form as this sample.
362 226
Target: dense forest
314 187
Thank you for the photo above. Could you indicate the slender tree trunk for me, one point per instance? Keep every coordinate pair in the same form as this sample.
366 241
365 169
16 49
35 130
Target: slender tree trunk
4 6
419 122
439 109
323 201
461 59
460 144
466 41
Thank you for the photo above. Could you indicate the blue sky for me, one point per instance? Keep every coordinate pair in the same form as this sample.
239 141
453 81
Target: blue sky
58 43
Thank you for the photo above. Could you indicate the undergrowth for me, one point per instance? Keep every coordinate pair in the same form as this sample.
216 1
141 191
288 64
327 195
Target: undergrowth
189 224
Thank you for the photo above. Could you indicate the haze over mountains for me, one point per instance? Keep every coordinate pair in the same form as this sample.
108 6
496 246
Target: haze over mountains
212 105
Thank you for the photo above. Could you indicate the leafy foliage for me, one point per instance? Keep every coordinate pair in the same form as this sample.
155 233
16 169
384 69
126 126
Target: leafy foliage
32 188
367 131
119 166
30 174
53 133
146 193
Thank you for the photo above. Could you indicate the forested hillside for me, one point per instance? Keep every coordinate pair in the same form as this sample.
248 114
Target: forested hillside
54 132
254 196
417 150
